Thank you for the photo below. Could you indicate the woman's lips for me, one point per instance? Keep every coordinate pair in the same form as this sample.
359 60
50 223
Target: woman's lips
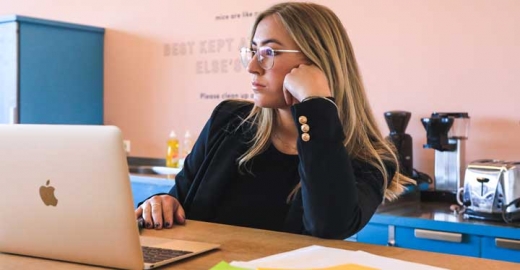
257 86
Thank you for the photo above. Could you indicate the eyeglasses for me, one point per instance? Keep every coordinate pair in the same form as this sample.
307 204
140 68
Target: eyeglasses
264 56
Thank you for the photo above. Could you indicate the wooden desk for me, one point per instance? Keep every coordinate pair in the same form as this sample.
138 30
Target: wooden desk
244 244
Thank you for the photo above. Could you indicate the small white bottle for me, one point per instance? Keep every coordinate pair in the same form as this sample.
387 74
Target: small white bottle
187 144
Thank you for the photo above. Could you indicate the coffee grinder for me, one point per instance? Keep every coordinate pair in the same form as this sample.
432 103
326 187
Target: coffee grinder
447 133
397 122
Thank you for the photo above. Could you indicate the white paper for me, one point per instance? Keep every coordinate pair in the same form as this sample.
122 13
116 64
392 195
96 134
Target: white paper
320 257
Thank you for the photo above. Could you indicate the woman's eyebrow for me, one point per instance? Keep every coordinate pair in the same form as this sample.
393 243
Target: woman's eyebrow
267 41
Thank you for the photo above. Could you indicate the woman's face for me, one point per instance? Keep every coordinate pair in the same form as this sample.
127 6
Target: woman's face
267 85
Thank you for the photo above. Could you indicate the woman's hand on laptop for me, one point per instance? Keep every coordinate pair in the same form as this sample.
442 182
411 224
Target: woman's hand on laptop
160 211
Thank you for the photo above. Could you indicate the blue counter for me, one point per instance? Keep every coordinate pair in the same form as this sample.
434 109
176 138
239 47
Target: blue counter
434 227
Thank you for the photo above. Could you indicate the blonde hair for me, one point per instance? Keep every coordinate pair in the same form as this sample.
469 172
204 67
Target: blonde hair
321 37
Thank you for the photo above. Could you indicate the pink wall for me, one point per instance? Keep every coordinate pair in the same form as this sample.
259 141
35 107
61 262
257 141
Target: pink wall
419 56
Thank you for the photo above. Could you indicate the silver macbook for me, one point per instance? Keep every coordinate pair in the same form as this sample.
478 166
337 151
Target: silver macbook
66 195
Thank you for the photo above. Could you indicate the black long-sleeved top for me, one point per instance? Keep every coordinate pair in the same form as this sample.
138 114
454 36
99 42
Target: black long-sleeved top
338 195
258 198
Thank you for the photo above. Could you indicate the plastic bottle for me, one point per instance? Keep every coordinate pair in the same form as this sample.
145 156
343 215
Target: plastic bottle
172 154
187 144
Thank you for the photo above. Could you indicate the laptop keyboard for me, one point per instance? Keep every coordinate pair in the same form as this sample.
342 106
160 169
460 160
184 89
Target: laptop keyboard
154 255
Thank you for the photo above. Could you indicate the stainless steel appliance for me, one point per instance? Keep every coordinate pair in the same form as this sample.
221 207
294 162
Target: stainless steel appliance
447 134
492 190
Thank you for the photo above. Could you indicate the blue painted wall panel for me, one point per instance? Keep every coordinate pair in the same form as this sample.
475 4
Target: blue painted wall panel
61 74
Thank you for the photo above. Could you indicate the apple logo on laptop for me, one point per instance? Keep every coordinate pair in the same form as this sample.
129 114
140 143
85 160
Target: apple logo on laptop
47 194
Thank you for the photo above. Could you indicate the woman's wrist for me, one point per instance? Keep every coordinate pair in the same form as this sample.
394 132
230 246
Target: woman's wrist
330 99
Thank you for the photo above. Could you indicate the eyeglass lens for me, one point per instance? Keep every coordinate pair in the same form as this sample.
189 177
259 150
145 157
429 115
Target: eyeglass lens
265 56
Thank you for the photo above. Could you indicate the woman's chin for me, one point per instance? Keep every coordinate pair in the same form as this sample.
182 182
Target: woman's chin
272 105
259 101
263 102
260 104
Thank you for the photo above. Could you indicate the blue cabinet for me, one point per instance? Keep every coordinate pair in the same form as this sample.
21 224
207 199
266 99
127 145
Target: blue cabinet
50 72
500 248
374 233
438 241
433 228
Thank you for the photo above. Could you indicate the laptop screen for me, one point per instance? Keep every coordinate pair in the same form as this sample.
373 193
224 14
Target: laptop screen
67 191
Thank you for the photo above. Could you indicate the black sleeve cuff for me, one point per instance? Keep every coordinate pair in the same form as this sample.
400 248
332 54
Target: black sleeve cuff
322 119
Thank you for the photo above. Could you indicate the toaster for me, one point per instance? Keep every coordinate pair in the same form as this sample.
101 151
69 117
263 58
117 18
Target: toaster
492 190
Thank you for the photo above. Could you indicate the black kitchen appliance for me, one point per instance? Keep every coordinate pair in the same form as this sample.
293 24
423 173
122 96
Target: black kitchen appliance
397 122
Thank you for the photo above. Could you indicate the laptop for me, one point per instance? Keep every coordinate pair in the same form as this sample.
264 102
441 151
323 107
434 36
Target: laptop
66 195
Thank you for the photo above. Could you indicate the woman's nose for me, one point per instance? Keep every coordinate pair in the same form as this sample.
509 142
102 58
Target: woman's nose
254 67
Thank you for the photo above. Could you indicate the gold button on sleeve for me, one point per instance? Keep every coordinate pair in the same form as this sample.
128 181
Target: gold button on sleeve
302 119
305 128
306 137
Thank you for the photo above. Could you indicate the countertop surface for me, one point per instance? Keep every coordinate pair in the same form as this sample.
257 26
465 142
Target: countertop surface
244 244
431 214
424 213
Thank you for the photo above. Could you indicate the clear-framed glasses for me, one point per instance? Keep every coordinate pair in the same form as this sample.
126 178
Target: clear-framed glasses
264 56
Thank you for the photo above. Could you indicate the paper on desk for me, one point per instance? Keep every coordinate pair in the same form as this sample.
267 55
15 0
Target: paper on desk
322 257
225 266
348 266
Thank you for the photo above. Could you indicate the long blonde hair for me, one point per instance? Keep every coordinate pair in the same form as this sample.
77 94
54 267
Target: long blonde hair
321 37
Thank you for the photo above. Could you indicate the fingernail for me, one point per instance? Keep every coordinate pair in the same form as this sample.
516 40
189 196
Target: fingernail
167 224
148 225
157 225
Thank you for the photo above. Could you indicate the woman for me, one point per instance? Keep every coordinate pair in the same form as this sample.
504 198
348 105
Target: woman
306 157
